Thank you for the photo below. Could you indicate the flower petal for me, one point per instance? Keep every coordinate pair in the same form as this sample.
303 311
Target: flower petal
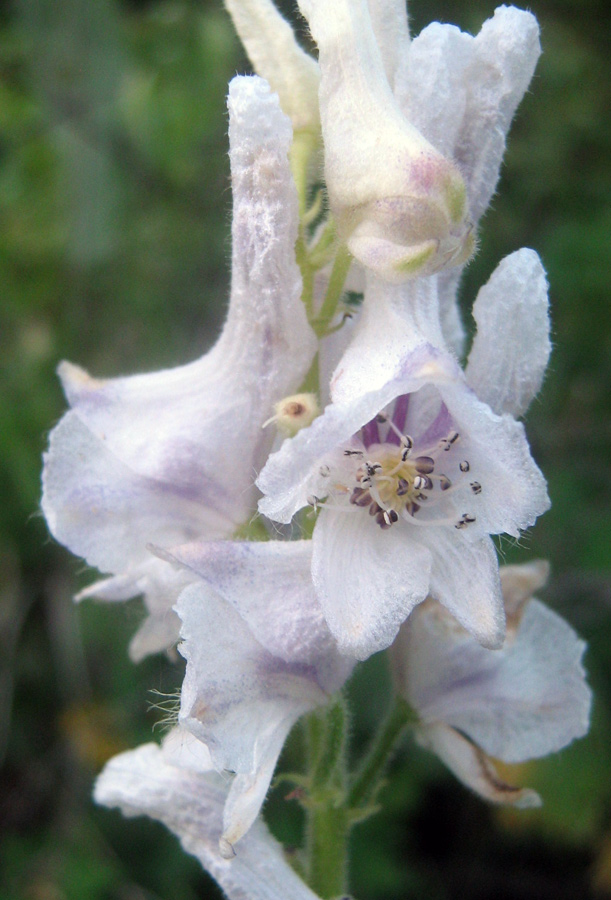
465 579
166 456
275 54
519 583
367 580
160 586
512 346
236 697
472 766
407 217
389 21
431 88
526 700
497 447
190 804
270 584
505 55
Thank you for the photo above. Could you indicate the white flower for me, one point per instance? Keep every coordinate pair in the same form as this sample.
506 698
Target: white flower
188 798
171 456
414 469
400 205
526 700
259 655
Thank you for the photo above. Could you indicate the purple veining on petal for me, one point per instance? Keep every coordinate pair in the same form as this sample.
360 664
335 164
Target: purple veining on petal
438 429
370 434
399 416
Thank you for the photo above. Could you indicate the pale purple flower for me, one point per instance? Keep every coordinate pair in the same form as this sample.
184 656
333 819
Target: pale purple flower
259 655
176 785
411 468
526 700
171 456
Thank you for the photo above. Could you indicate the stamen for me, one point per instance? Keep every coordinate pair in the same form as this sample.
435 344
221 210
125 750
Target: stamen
449 440
423 483
444 482
476 487
424 465
464 465
353 453
402 487
407 444
360 497
325 471
465 520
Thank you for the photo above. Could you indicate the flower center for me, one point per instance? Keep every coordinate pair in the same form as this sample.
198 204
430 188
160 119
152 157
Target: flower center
395 478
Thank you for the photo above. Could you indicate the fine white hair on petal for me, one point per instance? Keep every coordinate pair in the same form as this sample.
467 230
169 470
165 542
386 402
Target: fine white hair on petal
512 346
190 803
274 53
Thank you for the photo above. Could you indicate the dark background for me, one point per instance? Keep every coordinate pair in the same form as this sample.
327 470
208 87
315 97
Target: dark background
114 250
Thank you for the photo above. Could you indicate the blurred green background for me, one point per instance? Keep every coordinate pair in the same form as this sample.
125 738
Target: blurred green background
114 250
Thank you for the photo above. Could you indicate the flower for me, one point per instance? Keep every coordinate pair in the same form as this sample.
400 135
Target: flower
400 205
526 700
276 56
170 456
259 655
176 785
410 469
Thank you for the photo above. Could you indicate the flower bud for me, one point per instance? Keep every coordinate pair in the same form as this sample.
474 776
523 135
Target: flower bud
400 205
294 413
276 56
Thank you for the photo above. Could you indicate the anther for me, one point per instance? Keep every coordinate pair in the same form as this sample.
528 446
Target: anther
465 520
464 466
402 487
360 497
424 465
325 471
382 417
449 440
353 453
374 509
372 468
422 483
407 444
476 487
313 501
444 482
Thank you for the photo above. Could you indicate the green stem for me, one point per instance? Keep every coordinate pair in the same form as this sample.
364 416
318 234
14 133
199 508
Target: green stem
369 778
328 819
335 288
327 842
304 145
